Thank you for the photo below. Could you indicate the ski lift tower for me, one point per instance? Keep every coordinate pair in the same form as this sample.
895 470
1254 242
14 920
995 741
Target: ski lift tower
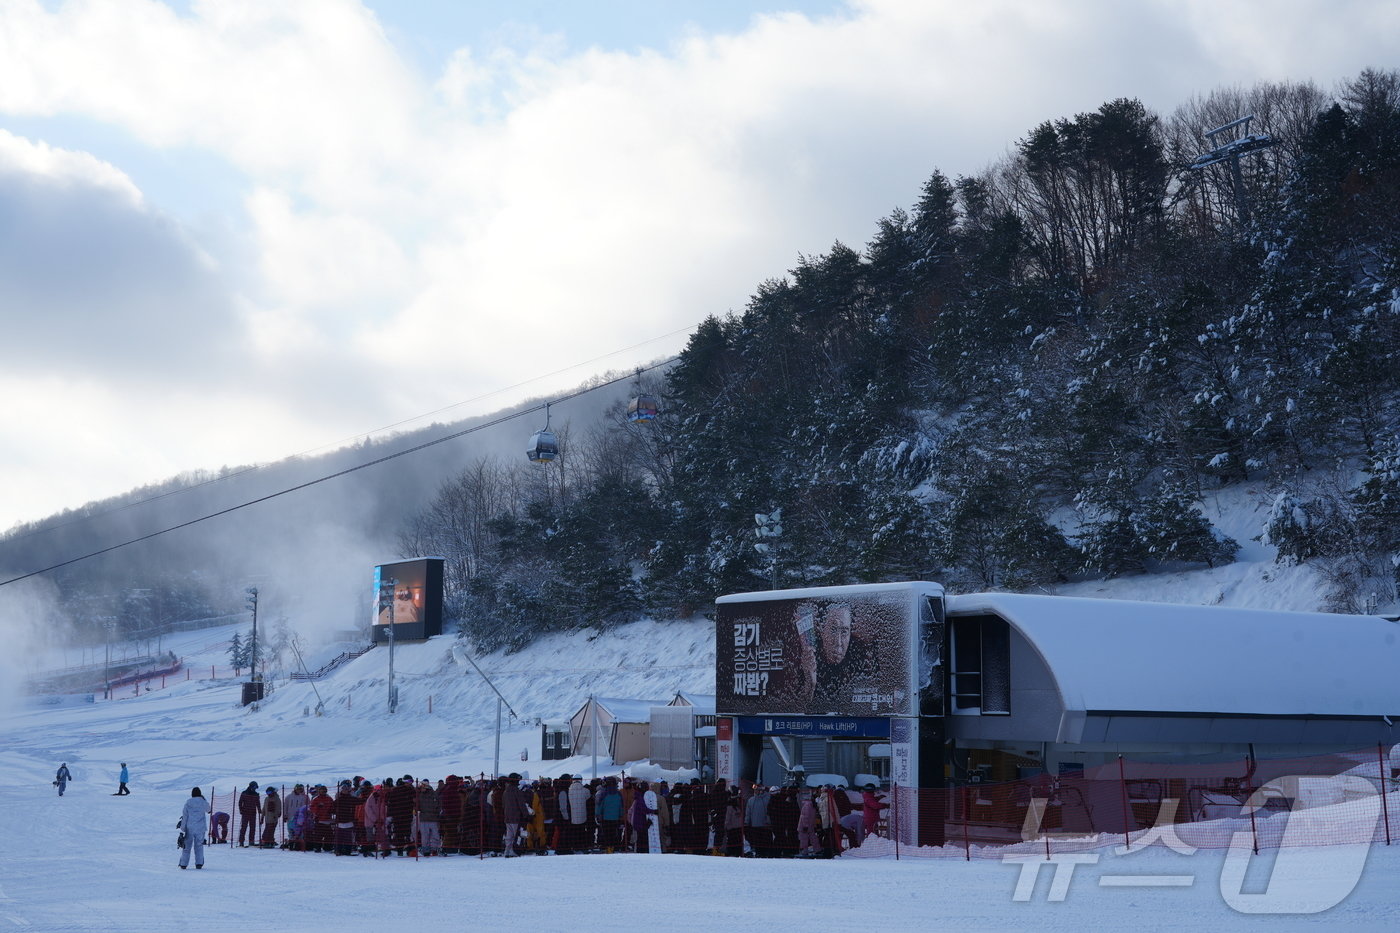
1240 142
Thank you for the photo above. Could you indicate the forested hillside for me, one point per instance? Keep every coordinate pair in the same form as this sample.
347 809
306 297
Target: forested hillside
1030 375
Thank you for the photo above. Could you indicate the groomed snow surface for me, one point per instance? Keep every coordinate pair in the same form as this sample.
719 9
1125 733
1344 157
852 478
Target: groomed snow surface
90 861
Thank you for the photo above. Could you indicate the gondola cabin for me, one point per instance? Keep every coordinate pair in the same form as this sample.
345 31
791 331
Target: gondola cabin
544 448
643 408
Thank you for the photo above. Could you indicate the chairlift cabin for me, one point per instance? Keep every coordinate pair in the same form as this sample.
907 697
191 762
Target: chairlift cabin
544 447
642 408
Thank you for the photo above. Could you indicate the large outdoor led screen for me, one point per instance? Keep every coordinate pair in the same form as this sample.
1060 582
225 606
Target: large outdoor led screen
410 594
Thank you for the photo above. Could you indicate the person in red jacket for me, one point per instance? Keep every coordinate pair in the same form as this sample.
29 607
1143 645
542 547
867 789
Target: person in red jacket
362 841
402 801
451 800
345 804
871 805
377 821
322 811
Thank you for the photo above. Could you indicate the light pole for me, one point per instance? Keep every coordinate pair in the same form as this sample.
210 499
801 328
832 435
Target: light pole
110 625
460 654
252 603
386 600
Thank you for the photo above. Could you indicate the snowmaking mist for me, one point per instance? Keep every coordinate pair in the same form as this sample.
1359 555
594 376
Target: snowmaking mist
34 634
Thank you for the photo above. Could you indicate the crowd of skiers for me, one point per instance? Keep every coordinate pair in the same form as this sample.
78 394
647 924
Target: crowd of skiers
510 816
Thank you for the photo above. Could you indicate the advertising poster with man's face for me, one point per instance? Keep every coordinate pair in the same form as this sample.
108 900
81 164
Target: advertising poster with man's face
847 656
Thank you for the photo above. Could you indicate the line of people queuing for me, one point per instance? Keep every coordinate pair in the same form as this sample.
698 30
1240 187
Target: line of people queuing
510 816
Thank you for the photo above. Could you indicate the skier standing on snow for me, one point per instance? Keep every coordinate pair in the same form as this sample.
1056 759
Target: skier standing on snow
512 812
578 816
757 823
121 782
872 802
272 812
249 806
62 778
293 803
429 808
647 832
194 820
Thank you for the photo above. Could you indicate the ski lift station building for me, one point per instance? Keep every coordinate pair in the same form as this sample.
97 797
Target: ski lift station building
1000 686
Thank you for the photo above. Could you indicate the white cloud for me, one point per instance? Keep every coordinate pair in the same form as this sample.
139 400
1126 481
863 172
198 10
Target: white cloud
409 240
64 167
319 260
94 282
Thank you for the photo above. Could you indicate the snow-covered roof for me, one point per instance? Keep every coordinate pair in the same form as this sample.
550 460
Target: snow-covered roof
1156 657
704 703
834 592
626 710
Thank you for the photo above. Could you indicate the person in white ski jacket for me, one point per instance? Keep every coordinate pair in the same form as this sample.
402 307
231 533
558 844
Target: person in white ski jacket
194 820
578 816
650 801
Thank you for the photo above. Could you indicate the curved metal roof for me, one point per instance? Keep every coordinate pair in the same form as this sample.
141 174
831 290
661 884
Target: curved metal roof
1158 657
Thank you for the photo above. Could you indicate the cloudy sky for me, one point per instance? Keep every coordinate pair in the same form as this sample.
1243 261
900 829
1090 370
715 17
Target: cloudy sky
232 230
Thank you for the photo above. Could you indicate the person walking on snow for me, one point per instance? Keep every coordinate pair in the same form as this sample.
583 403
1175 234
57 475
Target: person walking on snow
121 781
62 778
194 820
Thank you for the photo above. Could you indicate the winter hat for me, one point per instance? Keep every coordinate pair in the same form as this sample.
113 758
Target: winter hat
252 785
272 790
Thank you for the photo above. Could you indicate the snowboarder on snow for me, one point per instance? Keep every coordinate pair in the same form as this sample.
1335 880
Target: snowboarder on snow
121 781
62 778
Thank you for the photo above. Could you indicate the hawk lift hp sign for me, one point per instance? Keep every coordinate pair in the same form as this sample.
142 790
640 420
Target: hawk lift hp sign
836 663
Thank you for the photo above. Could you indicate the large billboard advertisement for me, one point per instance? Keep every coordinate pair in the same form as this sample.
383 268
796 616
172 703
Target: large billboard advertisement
410 593
843 654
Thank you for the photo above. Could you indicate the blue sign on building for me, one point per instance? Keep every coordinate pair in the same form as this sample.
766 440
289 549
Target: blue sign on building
823 726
